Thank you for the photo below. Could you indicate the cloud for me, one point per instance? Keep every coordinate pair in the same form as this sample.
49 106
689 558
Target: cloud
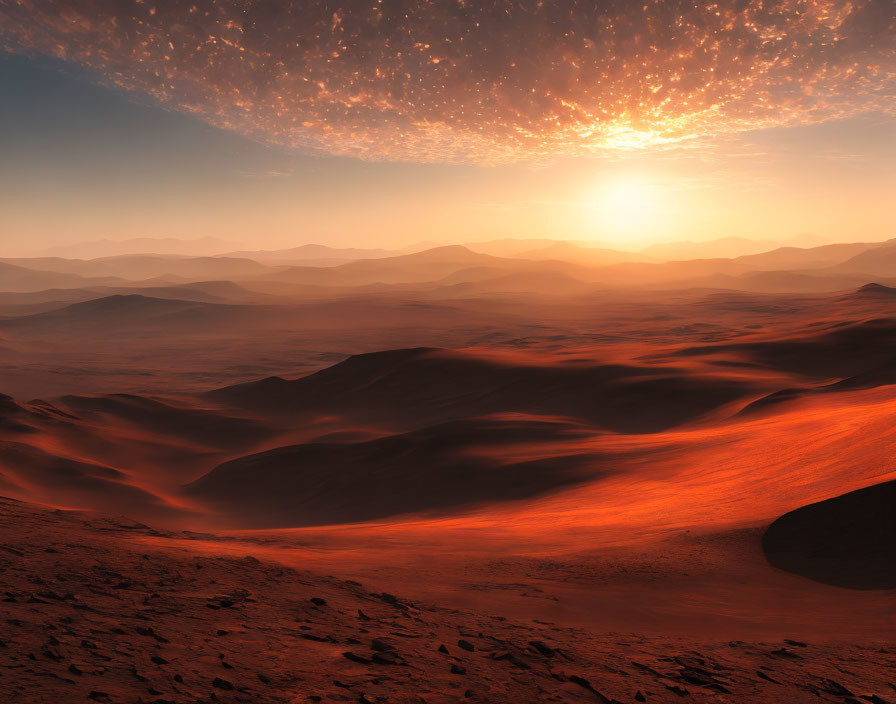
482 82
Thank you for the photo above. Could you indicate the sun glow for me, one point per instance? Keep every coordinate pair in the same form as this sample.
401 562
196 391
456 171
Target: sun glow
624 210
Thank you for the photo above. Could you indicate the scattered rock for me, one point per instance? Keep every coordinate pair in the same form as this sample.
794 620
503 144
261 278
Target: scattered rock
219 683
542 648
785 653
354 657
380 645
832 687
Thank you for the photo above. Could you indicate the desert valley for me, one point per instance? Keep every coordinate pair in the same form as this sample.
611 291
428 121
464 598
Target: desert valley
417 352
520 447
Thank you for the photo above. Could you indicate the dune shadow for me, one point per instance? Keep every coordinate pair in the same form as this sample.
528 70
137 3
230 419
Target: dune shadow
848 541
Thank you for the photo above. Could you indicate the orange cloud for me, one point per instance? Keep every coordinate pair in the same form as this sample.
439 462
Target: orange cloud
482 82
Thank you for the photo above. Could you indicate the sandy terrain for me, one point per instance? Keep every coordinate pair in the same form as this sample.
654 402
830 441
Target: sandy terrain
111 611
529 461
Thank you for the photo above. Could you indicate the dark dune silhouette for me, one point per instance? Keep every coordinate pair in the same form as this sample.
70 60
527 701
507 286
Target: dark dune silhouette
27 303
769 402
23 418
873 292
198 425
122 315
848 541
415 387
112 312
64 481
199 291
13 417
843 352
436 468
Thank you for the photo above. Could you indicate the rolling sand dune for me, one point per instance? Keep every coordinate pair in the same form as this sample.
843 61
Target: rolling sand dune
873 292
64 481
848 541
586 461
197 425
436 468
542 450
418 386
133 314
846 351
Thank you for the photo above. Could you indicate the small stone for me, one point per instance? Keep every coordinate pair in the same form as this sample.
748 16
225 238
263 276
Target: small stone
354 657
542 648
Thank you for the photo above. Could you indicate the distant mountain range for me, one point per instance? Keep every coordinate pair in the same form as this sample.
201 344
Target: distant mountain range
538 267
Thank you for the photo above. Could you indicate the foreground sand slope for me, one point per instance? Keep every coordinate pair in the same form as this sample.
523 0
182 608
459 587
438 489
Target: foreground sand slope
99 609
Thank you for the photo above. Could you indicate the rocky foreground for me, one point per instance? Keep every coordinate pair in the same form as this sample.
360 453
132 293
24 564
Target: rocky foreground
105 610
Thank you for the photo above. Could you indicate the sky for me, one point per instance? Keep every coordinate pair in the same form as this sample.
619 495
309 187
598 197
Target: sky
385 123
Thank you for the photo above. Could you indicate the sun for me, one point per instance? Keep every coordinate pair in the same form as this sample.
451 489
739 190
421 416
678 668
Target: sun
624 209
